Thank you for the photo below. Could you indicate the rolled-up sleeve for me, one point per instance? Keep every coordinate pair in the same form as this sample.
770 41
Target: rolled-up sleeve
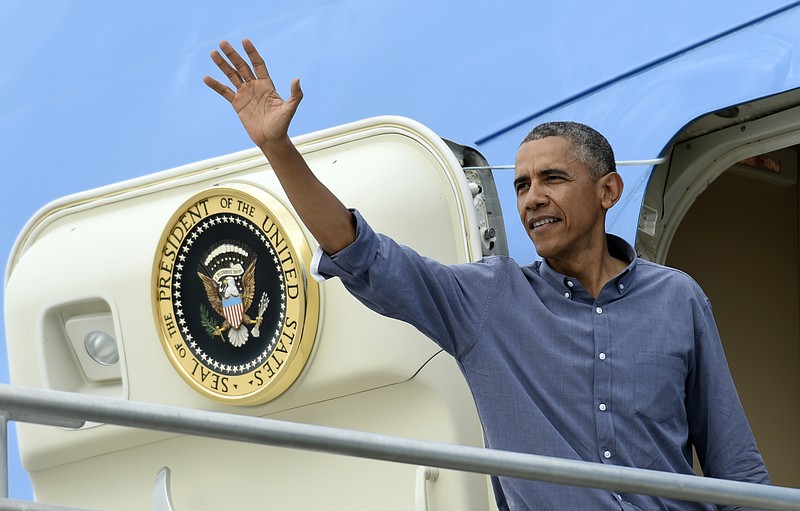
351 261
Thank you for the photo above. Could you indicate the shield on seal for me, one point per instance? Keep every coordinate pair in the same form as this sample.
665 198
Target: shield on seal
232 304
232 307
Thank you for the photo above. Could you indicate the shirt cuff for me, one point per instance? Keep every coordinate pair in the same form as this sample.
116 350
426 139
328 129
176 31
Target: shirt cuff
315 260
353 260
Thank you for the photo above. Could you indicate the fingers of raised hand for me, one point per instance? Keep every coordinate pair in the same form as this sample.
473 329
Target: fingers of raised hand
242 72
259 66
235 67
226 68
222 90
239 72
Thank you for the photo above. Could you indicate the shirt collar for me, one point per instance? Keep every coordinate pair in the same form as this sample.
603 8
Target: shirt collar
618 248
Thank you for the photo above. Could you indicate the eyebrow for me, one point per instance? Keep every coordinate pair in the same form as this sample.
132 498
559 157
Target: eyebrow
541 173
553 172
544 172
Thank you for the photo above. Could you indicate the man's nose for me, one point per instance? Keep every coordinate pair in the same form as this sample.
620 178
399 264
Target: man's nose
535 198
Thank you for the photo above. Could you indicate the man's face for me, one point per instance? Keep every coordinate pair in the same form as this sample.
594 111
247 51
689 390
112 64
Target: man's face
560 206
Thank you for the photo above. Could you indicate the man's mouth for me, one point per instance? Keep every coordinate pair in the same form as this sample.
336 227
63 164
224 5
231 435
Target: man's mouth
543 221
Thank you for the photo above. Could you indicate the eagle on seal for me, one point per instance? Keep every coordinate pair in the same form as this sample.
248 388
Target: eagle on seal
232 303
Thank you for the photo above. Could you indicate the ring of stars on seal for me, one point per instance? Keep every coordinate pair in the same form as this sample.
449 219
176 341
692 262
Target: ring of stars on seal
208 360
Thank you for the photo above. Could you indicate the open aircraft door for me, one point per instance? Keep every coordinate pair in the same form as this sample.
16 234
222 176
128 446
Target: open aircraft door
723 206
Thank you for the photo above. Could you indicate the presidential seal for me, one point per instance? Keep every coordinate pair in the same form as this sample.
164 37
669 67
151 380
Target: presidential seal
236 312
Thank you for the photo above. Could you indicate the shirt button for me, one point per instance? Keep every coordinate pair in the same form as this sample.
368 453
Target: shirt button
569 283
607 454
621 286
601 356
566 295
599 310
602 407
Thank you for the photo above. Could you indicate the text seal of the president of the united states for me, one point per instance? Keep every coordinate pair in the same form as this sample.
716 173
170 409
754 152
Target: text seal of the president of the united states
237 314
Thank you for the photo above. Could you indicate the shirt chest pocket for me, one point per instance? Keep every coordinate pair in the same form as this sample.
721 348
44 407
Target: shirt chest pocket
660 383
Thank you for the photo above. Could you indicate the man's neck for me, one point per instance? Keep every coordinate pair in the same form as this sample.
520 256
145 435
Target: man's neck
593 269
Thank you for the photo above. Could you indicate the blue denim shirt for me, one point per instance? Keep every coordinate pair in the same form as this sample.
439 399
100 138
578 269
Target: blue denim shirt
634 377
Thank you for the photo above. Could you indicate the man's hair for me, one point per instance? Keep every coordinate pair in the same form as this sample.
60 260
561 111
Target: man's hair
590 147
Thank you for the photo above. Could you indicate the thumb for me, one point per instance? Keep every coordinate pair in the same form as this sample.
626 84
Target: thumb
296 94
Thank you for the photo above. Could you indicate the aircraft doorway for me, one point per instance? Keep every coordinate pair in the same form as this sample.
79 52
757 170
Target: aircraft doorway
739 240
725 208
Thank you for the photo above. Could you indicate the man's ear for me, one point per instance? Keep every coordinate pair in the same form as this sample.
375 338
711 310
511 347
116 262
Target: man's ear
611 189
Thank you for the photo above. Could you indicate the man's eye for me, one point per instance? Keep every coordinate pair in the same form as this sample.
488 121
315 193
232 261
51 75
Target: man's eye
521 188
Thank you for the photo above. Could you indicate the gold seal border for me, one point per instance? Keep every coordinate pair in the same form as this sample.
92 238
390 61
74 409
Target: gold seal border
305 313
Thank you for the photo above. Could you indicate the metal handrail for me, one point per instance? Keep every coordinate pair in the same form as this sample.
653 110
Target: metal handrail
59 408
24 505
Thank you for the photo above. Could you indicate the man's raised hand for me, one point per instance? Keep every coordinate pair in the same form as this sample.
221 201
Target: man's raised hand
266 117
263 113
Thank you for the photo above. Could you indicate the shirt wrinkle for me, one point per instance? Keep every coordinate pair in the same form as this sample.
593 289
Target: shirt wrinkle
482 323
